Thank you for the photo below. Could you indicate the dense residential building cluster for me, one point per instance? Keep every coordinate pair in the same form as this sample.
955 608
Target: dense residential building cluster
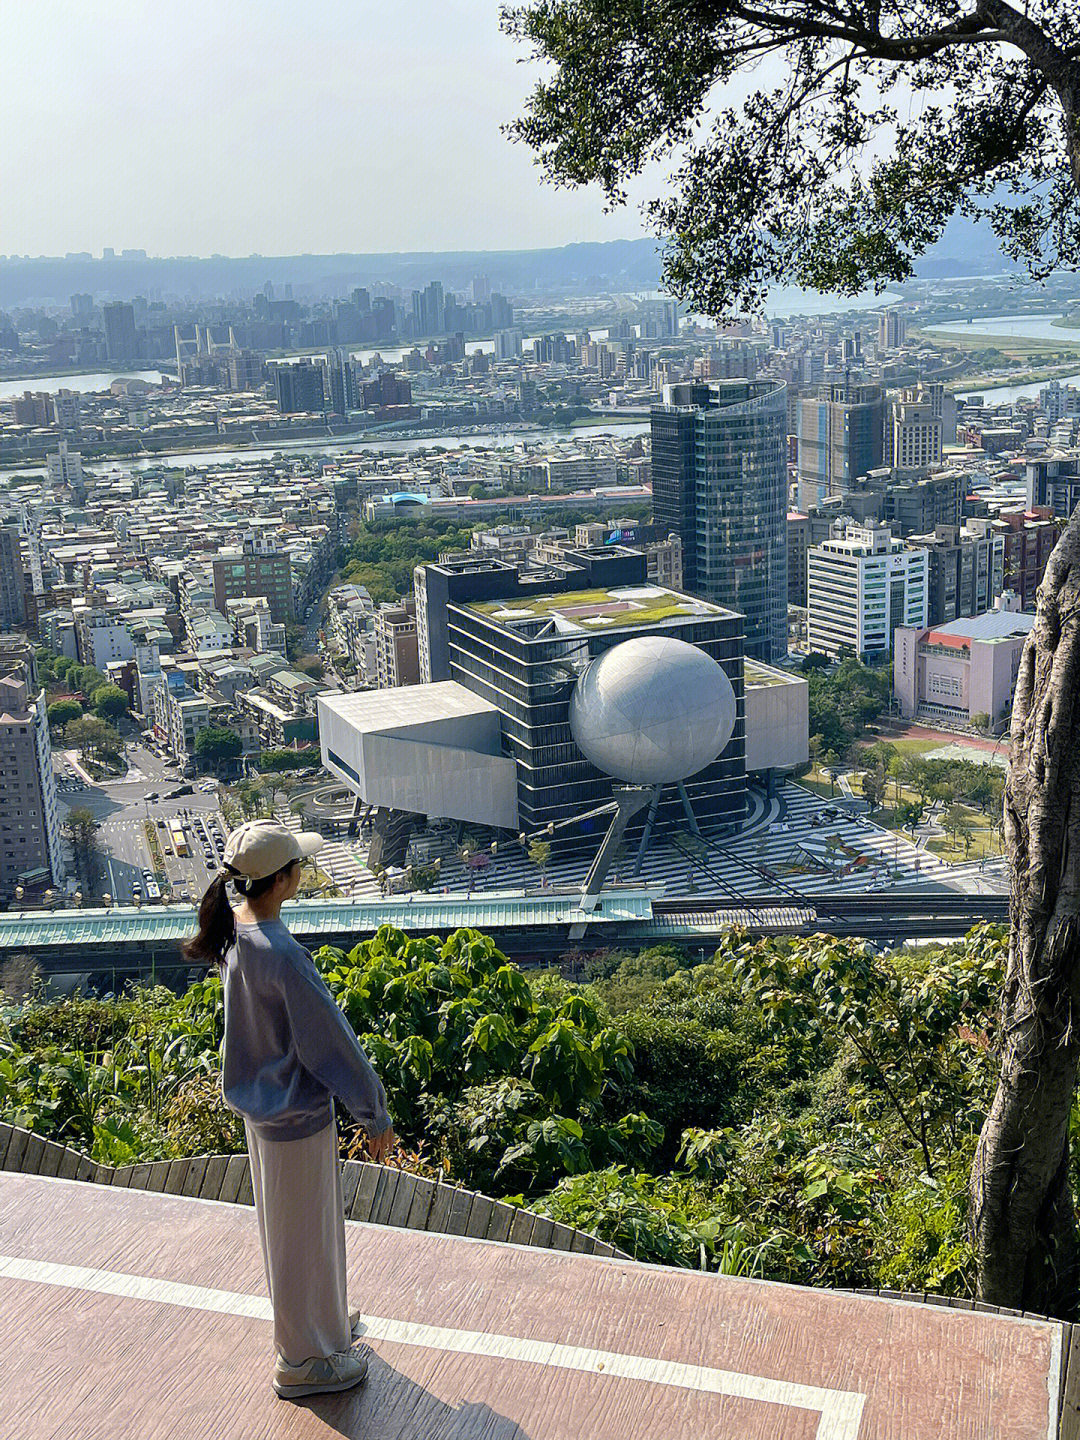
772 489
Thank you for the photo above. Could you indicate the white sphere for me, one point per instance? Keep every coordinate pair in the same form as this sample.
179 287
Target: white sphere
652 710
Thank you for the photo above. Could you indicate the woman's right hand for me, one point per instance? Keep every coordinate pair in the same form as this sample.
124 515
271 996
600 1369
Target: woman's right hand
379 1146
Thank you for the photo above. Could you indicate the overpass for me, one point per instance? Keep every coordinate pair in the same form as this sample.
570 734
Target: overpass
531 926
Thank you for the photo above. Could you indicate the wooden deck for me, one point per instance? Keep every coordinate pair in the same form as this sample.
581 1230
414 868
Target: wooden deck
129 1314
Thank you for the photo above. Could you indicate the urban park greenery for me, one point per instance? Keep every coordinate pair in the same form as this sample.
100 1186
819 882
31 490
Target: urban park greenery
802 1109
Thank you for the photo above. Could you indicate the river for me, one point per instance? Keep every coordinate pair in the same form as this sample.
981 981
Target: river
206 459
50 384
1026 327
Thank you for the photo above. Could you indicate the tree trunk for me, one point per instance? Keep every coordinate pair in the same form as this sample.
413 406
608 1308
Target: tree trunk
1022 1209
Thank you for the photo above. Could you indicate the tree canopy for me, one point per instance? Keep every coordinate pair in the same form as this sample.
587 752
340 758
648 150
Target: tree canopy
973 105
215 742
109 702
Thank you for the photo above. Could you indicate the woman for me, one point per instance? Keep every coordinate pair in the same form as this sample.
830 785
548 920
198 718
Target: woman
288 1051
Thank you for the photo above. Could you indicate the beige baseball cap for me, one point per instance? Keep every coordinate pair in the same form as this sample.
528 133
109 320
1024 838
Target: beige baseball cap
261 847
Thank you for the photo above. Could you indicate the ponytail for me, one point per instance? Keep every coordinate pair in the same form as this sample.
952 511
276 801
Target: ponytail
217 924
217 927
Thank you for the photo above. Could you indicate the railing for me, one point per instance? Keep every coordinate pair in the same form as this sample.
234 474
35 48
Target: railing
376 1194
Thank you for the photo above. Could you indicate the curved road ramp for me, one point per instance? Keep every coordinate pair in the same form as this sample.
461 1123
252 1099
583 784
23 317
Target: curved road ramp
129 1313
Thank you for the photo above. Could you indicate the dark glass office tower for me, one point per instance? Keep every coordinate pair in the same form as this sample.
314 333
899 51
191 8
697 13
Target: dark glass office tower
719 477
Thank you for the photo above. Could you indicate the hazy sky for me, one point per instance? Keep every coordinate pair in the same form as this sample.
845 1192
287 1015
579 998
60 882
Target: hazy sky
272 126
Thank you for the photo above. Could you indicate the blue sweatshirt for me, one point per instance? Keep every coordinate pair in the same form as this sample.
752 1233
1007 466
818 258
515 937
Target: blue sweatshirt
288 1048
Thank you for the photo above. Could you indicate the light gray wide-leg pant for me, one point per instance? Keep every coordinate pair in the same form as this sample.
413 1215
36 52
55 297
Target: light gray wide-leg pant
300 1209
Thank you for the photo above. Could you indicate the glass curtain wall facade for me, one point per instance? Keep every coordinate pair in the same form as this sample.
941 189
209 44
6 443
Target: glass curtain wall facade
528 670
734 528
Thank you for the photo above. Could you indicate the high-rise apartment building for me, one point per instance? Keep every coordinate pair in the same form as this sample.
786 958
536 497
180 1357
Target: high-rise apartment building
12 577
299 388
914 433
840 433
66 470
891 330
121 337
67 409
861 589
719 478
1030 537
31 855
1053 481
256 568
396 657
966 569
339 383
386 389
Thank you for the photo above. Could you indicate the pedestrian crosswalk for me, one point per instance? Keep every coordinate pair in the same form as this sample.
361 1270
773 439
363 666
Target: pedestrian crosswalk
780 851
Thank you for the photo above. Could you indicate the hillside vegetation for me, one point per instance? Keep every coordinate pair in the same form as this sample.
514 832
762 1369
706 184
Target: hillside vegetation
801 1109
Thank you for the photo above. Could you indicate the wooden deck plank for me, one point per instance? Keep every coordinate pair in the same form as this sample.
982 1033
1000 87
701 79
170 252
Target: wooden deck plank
350 1180
16 1149
404 1193
385 1189
195 1172
236 1167
213 1176
461 1203
440 1208
140 1177
502 1217
121 1363
246 1193
365 1193
521 1228
69 1165
479 1216
422 1201
174 1183
51 1158
32 1155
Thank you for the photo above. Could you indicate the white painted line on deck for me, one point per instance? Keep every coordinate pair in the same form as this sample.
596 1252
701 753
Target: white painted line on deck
840 1411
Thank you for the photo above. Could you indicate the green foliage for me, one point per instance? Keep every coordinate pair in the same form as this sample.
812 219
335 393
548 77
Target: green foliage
215 743
61 711
844 702
801 1109
93 737
625 87
109 702
908 1055
384 553
277 760
540 854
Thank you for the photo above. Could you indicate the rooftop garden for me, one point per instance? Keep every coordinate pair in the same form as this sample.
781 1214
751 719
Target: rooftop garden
632 605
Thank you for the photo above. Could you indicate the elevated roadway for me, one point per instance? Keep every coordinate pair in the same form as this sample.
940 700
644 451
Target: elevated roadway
533 927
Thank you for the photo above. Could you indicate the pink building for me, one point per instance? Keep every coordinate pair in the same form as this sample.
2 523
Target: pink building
967 667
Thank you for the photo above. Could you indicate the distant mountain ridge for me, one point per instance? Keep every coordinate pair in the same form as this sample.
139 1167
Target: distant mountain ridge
966 248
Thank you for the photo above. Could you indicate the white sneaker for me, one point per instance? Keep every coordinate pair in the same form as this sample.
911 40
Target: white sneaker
322 1374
